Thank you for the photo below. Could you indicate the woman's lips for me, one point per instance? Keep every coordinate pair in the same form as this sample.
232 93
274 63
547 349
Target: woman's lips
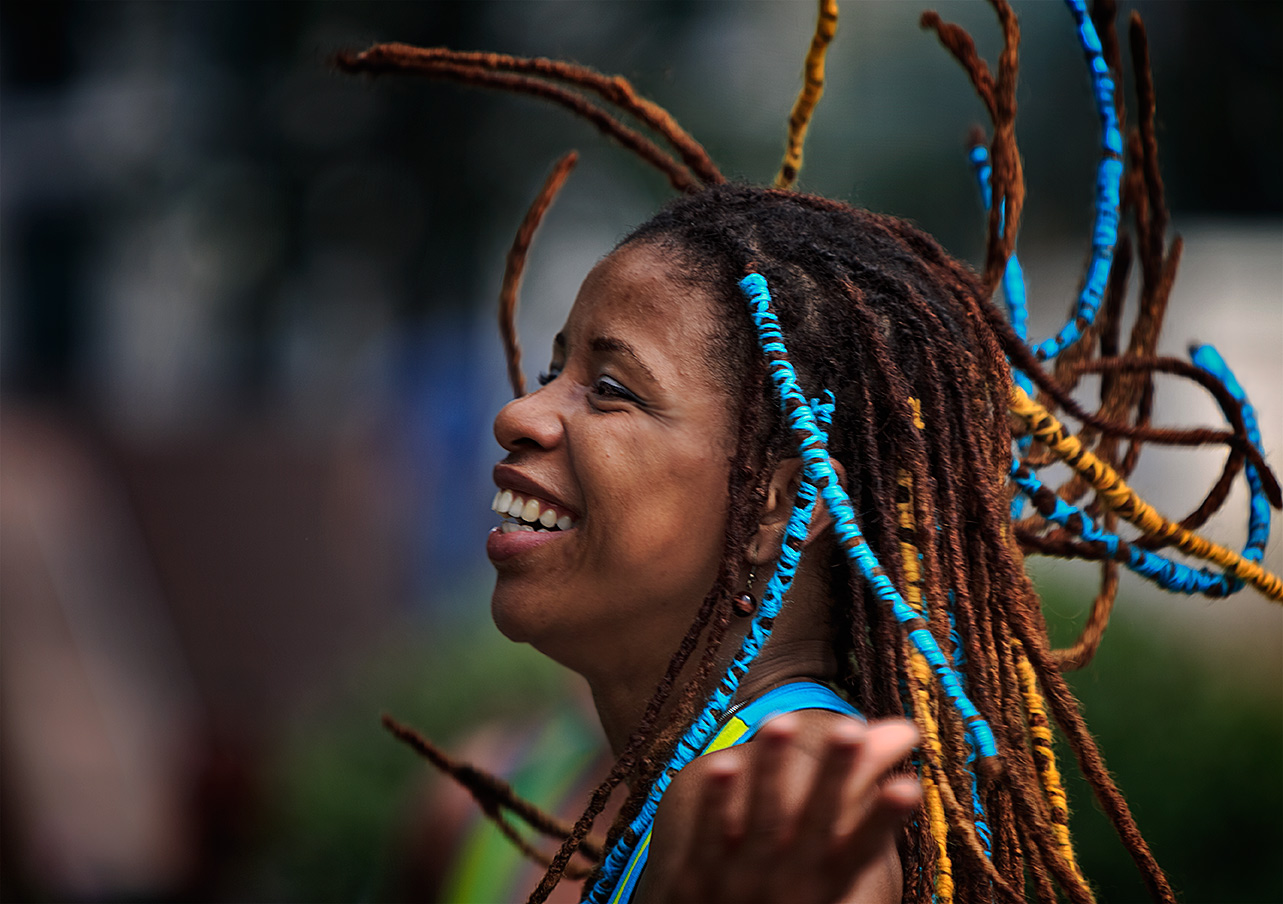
501 546
529 521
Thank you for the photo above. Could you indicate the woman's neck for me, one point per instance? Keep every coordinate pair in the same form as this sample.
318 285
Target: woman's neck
800 648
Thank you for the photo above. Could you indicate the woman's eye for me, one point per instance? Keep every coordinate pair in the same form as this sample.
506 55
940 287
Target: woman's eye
609 388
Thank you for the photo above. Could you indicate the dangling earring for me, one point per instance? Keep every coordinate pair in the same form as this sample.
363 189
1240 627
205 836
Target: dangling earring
746 604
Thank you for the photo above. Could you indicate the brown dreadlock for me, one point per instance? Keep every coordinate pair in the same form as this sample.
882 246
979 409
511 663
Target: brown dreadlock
907 339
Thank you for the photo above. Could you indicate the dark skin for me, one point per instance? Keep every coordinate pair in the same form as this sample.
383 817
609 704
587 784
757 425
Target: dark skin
635 446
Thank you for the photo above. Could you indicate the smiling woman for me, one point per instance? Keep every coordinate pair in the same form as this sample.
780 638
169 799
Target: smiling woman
762 500
630 426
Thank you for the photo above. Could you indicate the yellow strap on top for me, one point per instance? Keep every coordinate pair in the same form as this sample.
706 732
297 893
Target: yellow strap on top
731 732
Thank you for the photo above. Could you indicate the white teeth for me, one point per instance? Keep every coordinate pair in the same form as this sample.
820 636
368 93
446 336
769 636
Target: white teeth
533 513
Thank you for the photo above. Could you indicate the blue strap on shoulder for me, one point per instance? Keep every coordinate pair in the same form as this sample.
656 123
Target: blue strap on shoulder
791 698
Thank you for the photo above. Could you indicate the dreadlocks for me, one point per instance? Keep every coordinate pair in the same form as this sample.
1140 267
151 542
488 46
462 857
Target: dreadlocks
878 313
864 342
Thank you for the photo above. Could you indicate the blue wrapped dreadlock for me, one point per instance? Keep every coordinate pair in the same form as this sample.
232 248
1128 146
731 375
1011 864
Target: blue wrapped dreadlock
1258 524
1013 291
1013 278
1109 176
1164 572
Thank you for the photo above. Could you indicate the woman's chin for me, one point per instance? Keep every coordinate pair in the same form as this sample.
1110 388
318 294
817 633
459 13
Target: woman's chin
522 616
507 618
522 619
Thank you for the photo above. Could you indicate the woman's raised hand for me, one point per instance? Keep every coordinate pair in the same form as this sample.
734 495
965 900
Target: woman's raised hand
808 811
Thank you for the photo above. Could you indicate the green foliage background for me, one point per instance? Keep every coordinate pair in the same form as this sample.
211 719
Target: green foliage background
1195 750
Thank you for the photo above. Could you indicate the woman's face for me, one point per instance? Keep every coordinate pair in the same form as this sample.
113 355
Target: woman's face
619 463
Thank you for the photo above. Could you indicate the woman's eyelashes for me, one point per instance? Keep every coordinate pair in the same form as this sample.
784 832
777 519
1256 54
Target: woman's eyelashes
605 387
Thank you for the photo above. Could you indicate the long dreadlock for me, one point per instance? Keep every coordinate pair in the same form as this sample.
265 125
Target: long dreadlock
909 345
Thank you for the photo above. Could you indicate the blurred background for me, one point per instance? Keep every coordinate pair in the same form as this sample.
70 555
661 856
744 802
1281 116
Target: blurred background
248 368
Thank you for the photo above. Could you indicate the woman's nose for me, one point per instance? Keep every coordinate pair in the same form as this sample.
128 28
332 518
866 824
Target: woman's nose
531 421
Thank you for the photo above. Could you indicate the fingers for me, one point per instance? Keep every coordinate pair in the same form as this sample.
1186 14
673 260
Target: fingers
903 793
801 814
855 760
837 809
883 748
875 834
795 801
832 790
717 824
770 803
875 806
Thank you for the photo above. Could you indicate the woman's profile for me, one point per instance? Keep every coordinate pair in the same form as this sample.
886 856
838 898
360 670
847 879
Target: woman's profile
771 498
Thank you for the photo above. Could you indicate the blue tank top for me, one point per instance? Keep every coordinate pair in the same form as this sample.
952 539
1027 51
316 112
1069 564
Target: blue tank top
787 698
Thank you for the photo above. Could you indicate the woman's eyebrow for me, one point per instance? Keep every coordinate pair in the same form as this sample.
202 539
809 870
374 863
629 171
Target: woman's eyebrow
619 346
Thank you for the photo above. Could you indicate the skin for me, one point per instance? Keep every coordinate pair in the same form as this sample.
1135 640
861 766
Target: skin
631 436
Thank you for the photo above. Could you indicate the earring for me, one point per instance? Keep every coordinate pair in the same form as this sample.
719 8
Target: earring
745 604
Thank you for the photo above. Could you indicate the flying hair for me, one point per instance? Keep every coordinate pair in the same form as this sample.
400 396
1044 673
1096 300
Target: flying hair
944 435
826 26
515 265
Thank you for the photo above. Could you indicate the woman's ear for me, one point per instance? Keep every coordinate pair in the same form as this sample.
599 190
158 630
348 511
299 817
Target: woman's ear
764 546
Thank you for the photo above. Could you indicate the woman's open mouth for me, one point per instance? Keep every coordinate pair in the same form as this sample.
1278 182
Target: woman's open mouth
527 513
528 522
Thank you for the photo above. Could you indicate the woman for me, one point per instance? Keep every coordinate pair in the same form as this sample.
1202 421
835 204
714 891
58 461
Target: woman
672 477
740 354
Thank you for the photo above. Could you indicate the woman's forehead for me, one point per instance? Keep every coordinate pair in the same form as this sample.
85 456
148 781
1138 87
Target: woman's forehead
639 288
